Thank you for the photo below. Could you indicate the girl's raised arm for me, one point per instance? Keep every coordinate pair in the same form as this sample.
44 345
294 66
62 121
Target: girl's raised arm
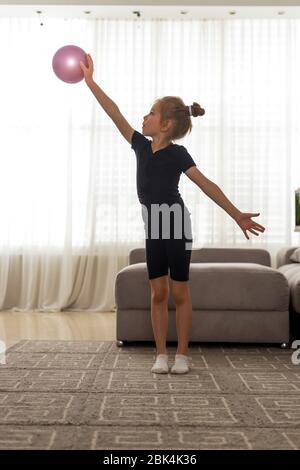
107 104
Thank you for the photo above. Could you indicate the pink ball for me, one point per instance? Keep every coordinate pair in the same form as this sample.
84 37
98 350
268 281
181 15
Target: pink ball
66 66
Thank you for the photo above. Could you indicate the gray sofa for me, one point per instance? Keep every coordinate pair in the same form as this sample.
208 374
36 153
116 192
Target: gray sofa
291 270
236 297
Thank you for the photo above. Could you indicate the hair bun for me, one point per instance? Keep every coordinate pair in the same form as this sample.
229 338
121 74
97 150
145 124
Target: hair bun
196 110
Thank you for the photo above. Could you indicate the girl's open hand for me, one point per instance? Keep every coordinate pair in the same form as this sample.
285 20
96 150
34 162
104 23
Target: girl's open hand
245 222
88 71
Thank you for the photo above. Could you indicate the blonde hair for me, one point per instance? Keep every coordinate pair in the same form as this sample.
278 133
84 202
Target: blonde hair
172 107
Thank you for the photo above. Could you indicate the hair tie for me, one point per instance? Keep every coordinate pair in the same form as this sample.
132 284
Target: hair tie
190 110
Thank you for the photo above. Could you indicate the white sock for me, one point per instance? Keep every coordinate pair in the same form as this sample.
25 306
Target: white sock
181 365
161 364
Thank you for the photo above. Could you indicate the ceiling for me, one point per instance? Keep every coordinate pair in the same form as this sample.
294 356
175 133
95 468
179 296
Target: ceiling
146 9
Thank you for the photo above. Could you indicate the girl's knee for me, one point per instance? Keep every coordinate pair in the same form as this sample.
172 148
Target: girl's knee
180 291
159 289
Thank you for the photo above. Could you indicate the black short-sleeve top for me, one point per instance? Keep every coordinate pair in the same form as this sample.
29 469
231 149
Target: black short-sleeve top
158 173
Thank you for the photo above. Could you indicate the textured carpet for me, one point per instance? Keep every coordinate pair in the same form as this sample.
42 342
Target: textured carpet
94 395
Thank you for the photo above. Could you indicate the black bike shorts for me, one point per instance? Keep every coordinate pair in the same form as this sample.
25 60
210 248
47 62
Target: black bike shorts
167 249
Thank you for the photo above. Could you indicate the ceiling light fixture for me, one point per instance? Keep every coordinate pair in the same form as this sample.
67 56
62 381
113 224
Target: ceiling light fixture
39 13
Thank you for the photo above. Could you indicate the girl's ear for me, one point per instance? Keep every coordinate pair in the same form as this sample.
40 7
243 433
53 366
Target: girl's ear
167 123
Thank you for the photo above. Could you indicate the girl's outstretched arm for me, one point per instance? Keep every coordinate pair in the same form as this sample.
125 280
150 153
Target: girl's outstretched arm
212 190
109 106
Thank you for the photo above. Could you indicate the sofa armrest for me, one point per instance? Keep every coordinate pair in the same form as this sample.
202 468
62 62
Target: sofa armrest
137 255
294 283
283 255
291 272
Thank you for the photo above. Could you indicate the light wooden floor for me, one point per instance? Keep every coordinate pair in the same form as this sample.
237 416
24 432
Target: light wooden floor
15 326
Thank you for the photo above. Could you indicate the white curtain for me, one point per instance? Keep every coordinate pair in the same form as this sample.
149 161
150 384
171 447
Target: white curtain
69 212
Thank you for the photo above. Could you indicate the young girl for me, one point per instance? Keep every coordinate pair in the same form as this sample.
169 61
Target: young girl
160 163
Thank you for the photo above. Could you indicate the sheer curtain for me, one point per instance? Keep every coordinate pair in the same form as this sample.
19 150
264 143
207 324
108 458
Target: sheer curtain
69 212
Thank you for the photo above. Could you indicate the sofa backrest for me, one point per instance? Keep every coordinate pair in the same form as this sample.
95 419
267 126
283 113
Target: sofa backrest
215 255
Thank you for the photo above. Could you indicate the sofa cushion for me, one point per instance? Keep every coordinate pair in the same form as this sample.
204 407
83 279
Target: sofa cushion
213 286
292 274
295 256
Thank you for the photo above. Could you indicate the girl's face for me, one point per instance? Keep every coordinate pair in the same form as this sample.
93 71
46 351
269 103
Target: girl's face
151 123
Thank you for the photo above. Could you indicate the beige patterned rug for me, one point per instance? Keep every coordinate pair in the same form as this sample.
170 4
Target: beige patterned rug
95 395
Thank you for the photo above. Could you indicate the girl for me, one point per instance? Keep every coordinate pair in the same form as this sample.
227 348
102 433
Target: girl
168 243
